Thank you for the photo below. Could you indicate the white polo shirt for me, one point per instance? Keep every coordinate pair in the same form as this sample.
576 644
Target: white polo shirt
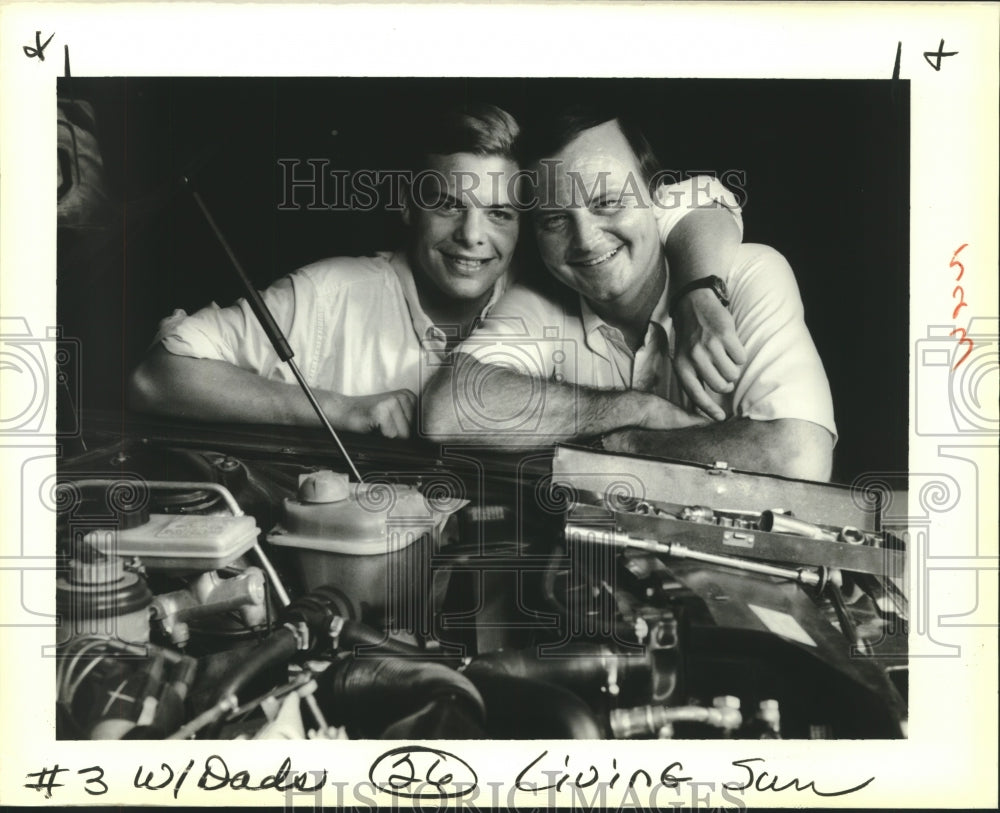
355 324
558 337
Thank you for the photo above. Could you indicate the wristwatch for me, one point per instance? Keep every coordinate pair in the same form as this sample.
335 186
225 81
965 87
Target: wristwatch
717 286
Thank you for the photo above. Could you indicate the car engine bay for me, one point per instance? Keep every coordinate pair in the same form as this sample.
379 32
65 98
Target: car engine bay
224 583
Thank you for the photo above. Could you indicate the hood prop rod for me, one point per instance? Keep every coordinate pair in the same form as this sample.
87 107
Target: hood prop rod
270 327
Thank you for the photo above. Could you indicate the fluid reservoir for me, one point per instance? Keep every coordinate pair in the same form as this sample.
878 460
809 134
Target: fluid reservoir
371 543
180 543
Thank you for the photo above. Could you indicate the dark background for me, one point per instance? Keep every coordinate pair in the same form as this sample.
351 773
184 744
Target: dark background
825 169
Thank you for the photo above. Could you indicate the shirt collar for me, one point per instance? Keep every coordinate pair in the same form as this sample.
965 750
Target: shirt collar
425 329
594 324
660 314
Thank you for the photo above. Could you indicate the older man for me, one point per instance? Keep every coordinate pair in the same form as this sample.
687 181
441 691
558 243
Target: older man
364 328
593 357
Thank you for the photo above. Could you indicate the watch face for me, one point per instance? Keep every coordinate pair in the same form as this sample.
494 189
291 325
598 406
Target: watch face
720 288
713 283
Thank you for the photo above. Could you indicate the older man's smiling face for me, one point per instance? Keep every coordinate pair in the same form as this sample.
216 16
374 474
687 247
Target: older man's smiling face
595 225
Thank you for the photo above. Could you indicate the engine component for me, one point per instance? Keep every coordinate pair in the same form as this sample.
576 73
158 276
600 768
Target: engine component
401 698
847 626
362 520
621 639
369 541
208 595
766 725
588 670
317 620
109 689
277 649
98 596
324 486
282 707
206 543
181 543
546 711
658 721
312 626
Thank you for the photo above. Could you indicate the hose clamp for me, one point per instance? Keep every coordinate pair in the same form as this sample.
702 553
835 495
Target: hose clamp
336 627
301 632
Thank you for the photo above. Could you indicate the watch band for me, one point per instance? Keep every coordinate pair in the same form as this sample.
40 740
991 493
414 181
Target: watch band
717 286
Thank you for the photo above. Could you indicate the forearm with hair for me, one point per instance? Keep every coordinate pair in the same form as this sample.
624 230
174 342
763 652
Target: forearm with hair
212 390
506 408
788 446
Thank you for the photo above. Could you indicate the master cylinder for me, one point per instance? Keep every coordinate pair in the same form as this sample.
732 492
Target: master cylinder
208 595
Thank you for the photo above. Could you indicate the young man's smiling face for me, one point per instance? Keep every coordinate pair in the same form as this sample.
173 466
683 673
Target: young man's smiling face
463 225
595 225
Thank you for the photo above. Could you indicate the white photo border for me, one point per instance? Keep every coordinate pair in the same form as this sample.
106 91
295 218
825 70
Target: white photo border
950 756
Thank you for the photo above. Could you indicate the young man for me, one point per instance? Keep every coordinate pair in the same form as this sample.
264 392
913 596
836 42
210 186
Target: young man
602 345
363 329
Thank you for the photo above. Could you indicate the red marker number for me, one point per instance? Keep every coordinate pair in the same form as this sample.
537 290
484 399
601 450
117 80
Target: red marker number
959 291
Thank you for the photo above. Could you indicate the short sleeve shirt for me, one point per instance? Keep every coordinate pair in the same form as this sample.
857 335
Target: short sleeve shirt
558 337
673 201
354 323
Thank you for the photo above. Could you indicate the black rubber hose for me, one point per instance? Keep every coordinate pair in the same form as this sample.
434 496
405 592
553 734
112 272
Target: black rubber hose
355 633
369 695
577 663
585 669
277 648
316 610
524 708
